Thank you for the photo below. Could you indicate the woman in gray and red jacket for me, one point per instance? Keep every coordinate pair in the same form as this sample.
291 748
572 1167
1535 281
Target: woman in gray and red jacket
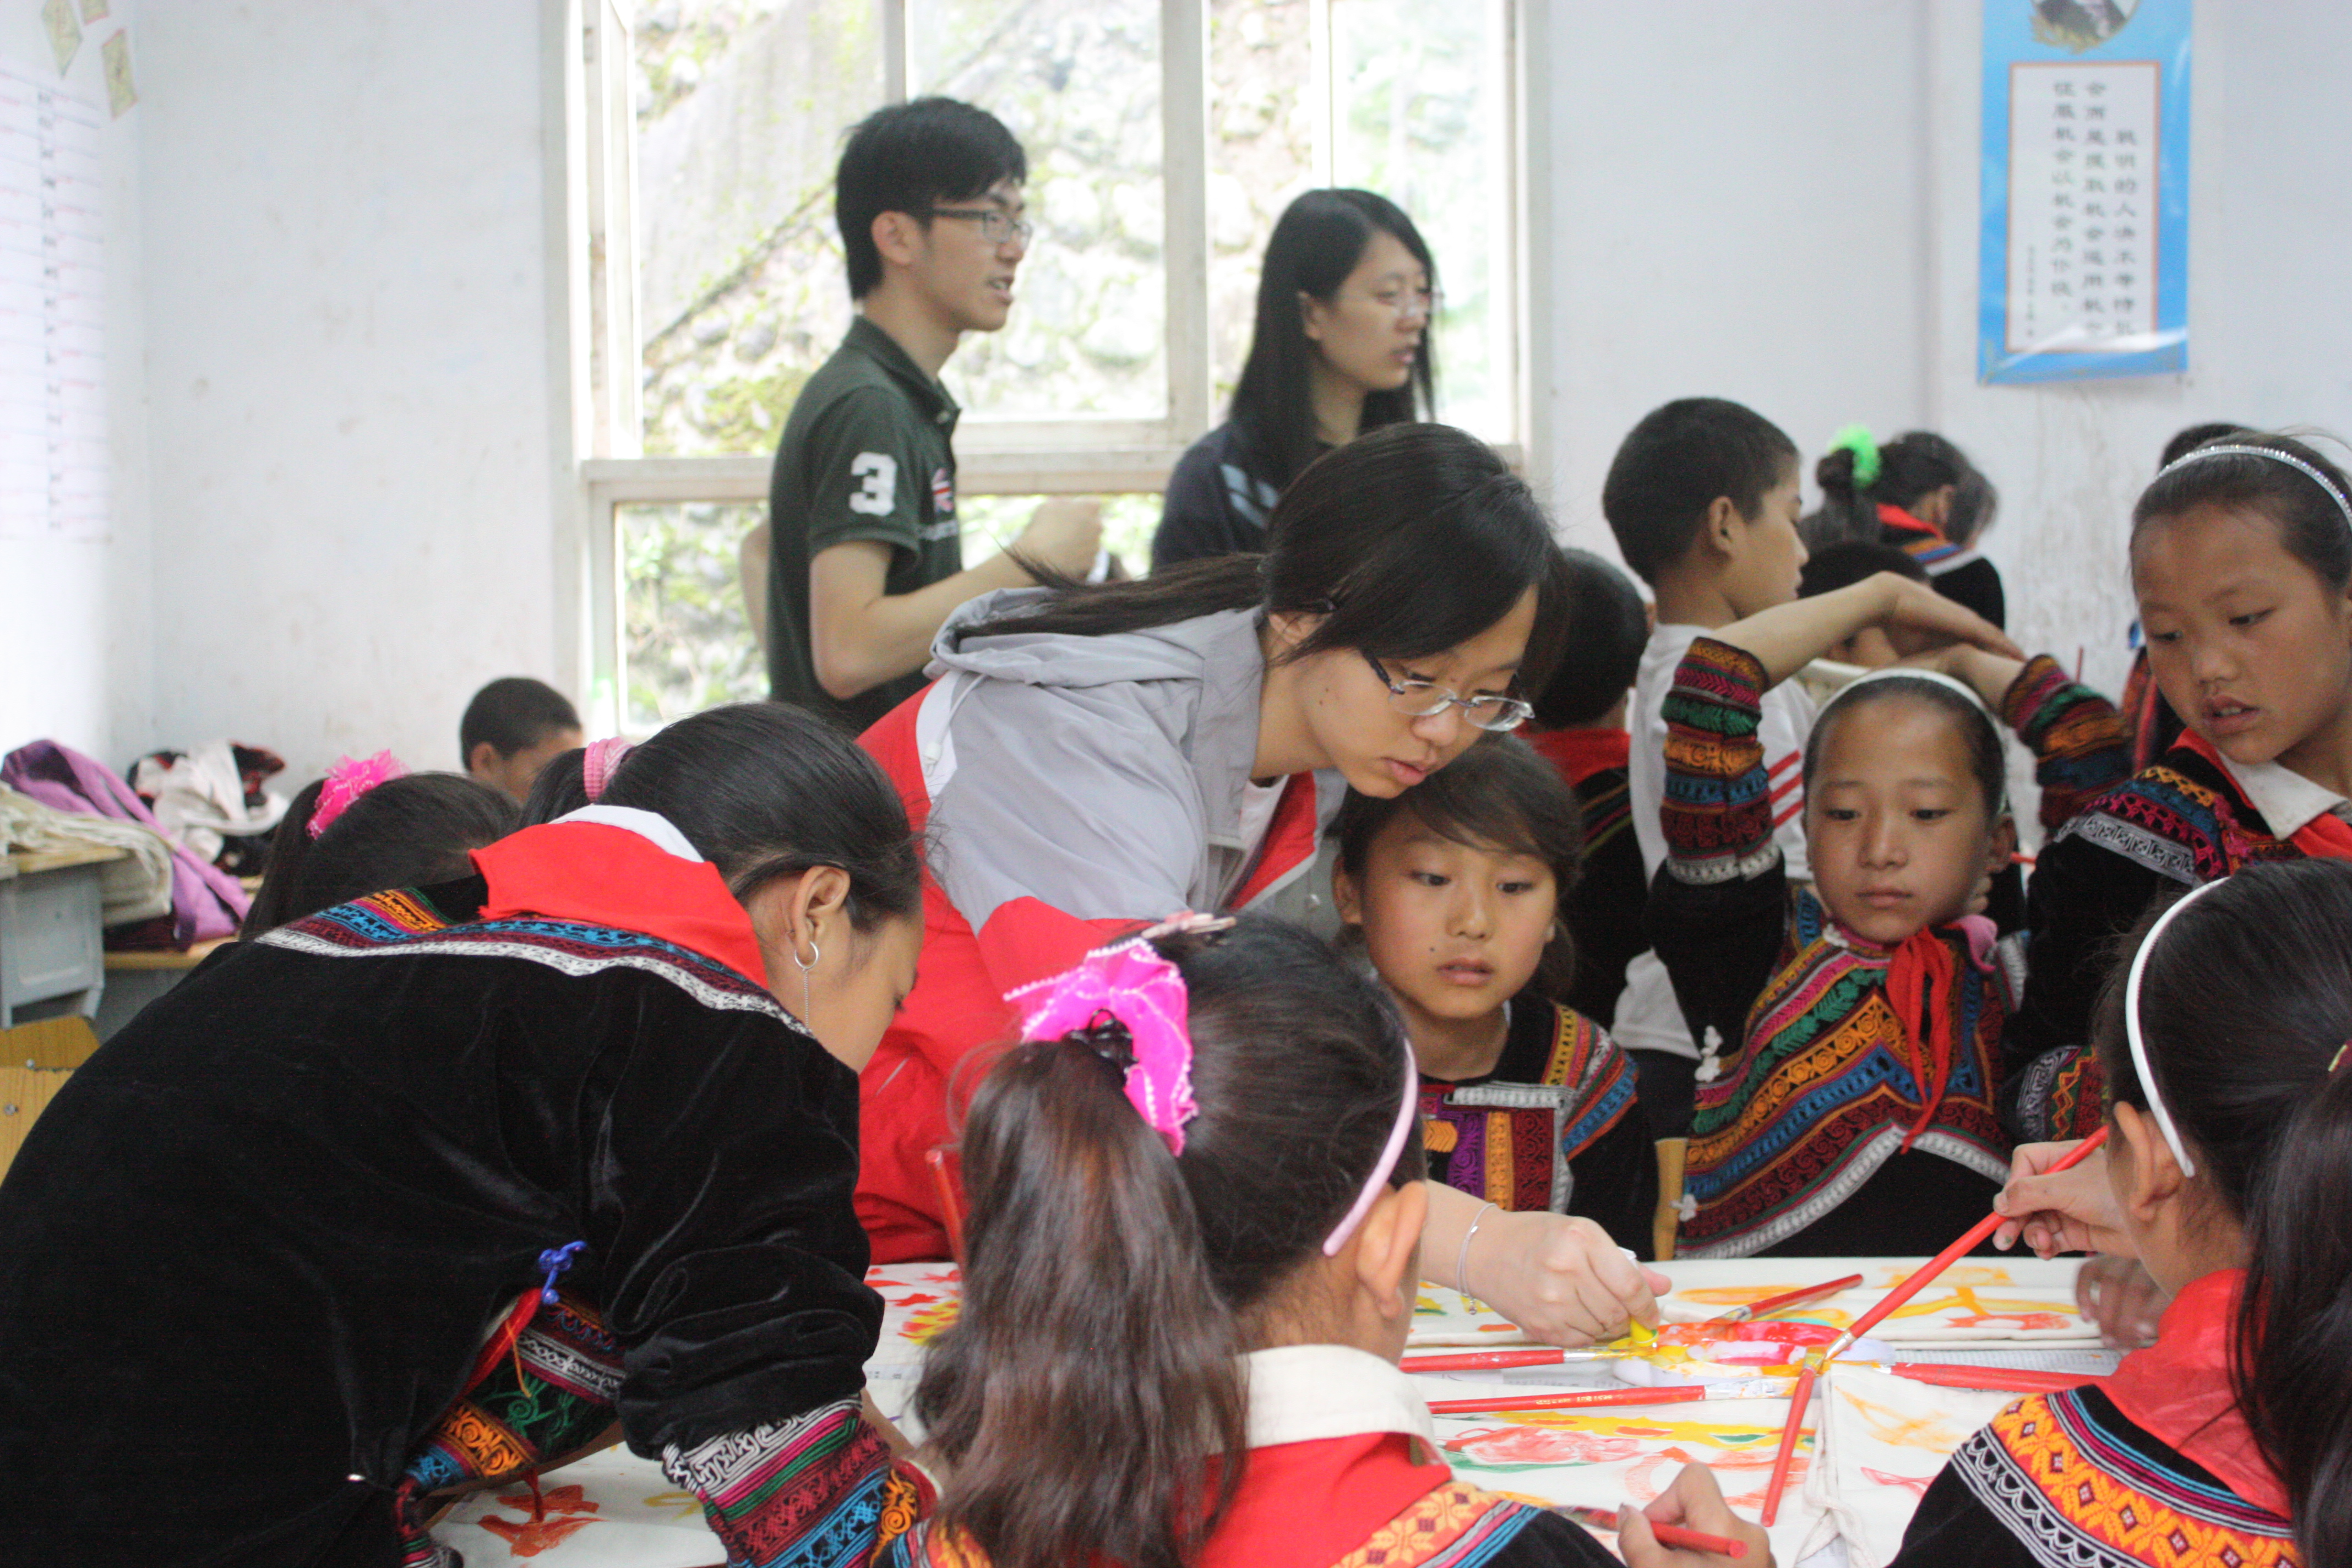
1093 758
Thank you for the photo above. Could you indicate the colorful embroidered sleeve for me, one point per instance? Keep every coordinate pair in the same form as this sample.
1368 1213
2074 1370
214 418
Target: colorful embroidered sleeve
1717 810
816 1492
1718 912
2081 748
2056 1096
2065 1478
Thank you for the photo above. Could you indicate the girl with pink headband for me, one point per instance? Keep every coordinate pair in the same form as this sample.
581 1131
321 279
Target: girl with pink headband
1194 1237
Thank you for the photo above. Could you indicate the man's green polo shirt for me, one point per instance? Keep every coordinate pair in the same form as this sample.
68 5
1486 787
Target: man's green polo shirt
865 454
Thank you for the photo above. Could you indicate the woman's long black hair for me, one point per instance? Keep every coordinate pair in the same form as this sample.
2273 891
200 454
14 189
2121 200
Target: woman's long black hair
1408 542
1316 244
2245 1005
1110 1286
764 789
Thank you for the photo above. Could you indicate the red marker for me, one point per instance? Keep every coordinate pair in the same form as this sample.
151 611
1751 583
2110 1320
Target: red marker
1788 1299
2001 1380
1667 1534
1682 1393
1788 1452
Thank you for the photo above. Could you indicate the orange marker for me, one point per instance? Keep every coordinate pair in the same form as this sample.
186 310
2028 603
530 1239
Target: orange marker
951 1211
1921 1279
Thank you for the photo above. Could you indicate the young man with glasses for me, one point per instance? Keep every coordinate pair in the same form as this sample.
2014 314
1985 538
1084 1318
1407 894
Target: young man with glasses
862 559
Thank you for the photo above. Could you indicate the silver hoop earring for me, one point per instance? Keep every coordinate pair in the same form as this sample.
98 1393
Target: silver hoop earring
817 956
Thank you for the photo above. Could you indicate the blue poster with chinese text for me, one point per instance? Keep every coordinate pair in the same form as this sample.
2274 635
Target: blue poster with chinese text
2084 264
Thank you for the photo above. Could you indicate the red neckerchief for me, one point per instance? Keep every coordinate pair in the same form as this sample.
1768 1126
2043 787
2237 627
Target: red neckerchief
601 875
2178 1390
1920 970
1581 753
2327 836
1895 517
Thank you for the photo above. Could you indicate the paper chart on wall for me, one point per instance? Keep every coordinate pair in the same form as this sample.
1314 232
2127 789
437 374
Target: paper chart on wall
53 452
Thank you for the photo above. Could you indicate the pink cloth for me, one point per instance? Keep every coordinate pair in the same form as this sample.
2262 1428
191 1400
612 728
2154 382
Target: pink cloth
1144 992
206 902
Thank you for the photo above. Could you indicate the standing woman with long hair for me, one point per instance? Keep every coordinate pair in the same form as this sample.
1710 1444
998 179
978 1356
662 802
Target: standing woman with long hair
1341 346
1097 756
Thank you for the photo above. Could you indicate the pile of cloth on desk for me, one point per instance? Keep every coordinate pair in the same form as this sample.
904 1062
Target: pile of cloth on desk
205 901
135 888
214 801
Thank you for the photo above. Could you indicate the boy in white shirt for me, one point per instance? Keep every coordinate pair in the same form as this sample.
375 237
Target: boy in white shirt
1703 498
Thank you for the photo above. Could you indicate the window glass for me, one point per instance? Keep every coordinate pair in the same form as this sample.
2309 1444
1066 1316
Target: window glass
685 643
991 522
1077 81
1421 115
1261 154
740 106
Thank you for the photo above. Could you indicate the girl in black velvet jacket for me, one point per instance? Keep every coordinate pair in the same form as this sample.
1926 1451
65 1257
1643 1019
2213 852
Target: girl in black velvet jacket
583 1121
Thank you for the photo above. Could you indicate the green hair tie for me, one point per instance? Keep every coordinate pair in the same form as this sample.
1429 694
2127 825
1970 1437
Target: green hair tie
1857 439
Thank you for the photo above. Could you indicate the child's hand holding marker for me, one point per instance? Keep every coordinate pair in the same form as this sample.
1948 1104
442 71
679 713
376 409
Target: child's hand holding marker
1662 1535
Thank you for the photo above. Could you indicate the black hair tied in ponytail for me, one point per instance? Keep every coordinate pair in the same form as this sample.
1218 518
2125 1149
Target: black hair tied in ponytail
1110 1286
1406 542
2245 1006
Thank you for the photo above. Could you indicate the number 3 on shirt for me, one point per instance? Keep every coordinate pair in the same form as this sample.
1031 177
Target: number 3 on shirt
879 474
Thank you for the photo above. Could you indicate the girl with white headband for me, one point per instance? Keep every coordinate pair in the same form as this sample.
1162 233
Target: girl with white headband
1848 1089
2241 563
2227 1172
1192 1256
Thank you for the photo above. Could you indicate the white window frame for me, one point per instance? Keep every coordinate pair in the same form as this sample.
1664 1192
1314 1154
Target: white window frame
1075 456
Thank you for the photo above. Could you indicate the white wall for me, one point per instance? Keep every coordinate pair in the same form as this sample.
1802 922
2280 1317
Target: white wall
338 334
1777 203
2269 335
1736 211
76 645
353 420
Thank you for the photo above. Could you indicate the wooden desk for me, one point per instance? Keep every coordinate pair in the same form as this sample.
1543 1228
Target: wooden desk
135 979
49 930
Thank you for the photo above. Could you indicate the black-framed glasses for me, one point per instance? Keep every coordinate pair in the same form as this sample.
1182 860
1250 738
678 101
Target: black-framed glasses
995 227
1425 699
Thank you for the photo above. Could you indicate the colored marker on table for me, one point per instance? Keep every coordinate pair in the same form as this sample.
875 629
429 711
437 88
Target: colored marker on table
1589 1398
1482 1361
1667 1534
1786 1300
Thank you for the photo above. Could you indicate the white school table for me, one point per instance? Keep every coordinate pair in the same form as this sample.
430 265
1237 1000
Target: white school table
614 1509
